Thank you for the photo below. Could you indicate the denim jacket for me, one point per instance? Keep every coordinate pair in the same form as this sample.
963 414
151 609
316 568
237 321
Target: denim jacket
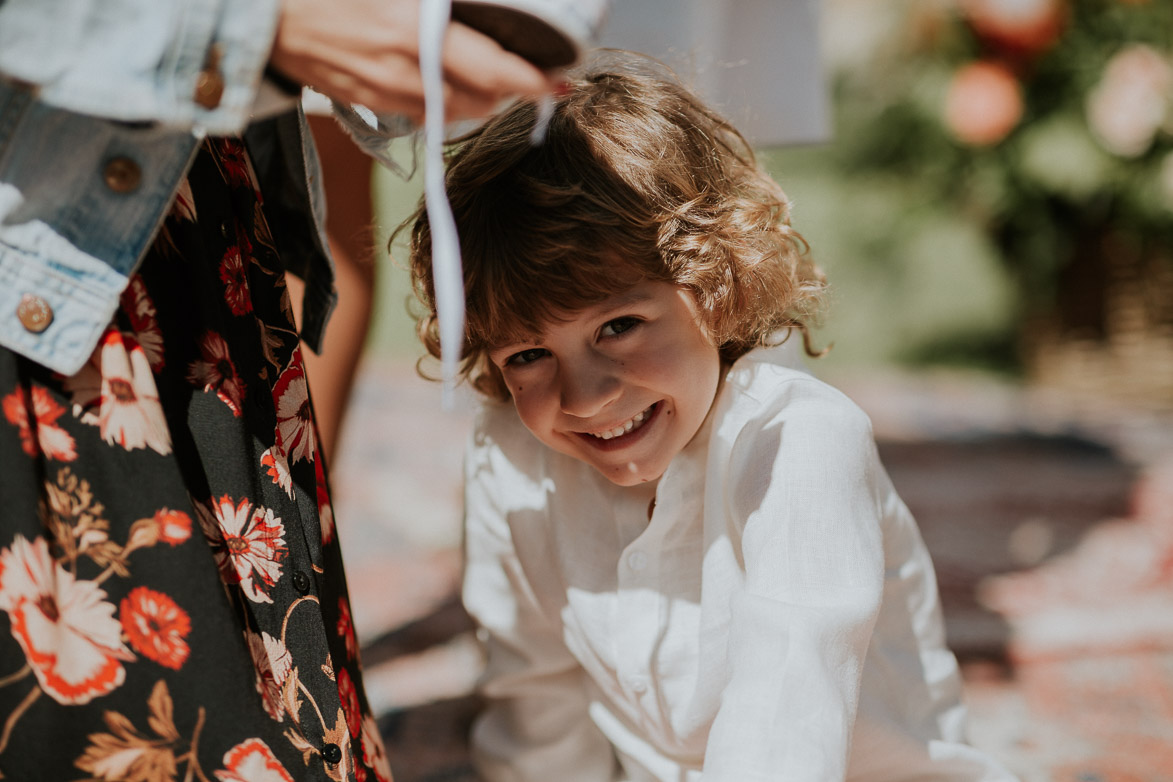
102 107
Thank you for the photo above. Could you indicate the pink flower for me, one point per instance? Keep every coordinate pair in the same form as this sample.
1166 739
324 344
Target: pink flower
278 469
325 507
295 418
137 304
345 629
1024 27
129 412
216 372
984 103
39 432
373 753
156 627
184 206
248 544
1132 101
348 693
273 664
65 626
233 273
252 761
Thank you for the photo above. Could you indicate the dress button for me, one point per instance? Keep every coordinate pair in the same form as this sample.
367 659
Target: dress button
301 582
34 313
122 175
332 754
637 560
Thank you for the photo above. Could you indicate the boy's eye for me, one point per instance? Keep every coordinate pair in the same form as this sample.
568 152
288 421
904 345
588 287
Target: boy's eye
526 356
618 326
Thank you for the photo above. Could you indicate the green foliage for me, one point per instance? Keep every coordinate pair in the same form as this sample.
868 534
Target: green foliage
1063 172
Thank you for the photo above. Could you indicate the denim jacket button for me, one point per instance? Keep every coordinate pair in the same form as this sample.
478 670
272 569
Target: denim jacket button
34 313
209 85
122 175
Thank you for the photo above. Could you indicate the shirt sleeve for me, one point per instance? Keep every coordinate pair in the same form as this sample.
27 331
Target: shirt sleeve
536 725
181 63
801 486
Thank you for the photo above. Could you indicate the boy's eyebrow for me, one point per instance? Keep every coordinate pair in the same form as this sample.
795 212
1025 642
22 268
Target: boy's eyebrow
619 301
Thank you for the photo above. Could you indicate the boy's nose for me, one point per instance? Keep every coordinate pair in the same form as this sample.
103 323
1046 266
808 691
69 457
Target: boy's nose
585 388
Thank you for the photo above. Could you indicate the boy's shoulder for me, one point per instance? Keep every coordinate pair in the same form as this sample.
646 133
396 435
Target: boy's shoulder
771 384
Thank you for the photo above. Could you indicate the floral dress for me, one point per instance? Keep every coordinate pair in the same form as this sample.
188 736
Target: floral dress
172 600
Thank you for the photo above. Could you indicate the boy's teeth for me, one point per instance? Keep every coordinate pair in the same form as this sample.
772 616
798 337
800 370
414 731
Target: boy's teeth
623 429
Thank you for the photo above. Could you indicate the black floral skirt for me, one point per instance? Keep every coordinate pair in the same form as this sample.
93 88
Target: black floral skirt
172 600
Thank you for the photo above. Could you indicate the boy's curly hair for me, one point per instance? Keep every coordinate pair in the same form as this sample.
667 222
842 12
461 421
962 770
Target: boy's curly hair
636 180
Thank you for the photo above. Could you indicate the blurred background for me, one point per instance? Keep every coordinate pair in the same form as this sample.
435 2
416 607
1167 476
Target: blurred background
988 185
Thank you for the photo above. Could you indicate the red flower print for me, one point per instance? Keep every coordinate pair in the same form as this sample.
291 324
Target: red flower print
233 275
373 753
295 418
48 438
137 304
345 629
156 627
174 526
183 207
216 372
234 164
350 706
248 544
278 469
273 664
252 761
129 412
325 508
65 626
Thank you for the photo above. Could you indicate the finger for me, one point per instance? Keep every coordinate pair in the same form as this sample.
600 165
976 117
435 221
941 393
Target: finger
462 104
477 63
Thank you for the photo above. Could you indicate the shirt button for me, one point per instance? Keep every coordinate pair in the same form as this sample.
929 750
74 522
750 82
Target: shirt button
637 560
638 684
332 754
301 582
34 313
122 175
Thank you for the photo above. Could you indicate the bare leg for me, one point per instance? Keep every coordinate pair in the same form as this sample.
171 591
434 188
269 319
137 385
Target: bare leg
346 177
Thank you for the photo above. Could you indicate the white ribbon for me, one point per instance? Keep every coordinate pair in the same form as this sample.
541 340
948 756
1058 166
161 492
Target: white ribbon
446 267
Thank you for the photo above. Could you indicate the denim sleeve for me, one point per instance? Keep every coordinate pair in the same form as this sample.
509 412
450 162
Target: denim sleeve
141 60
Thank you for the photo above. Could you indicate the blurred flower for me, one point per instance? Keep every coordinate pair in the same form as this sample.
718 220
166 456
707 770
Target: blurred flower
1131 101
1019 26
983 104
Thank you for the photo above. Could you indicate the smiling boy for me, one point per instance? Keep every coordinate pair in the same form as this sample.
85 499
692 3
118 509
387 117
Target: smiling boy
683 553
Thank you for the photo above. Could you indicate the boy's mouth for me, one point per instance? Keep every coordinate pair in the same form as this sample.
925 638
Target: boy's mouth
627 427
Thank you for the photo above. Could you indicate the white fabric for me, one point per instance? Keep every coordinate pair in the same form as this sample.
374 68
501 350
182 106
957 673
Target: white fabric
777 618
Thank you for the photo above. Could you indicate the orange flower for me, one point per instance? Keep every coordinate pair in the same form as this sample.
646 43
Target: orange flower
252 761
65 625
156 627
1024 27
984 103
39 432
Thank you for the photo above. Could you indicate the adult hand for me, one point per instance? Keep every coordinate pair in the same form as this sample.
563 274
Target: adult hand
367 52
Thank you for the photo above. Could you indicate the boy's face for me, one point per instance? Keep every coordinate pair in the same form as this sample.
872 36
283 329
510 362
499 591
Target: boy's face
623 385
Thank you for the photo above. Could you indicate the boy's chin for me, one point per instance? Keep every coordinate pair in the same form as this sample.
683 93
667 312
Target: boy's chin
629 475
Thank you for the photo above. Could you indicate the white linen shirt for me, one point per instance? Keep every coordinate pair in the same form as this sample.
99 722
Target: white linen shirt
776 618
